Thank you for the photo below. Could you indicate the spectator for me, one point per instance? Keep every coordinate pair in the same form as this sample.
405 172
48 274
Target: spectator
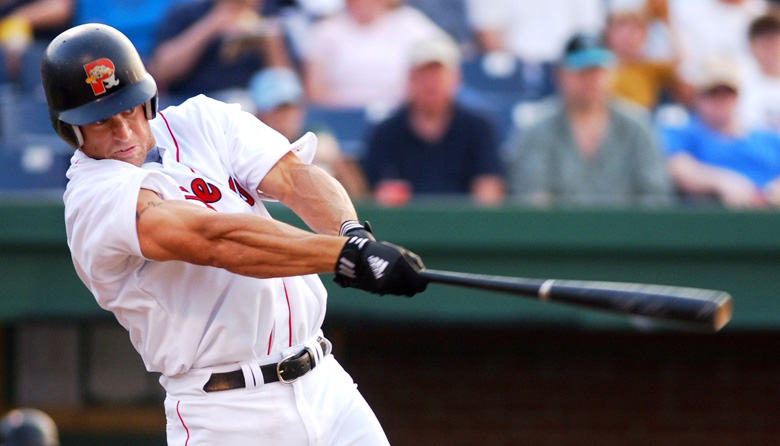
432 143
296 17
708 28
28 427
136 19
637 78
357 58
43 20
591 149
23 21
760 96
534 31
277 95
659 43
711 154
47 18
214 46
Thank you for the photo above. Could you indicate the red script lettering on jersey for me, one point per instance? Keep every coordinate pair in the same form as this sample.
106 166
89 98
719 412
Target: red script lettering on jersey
235 187
204 192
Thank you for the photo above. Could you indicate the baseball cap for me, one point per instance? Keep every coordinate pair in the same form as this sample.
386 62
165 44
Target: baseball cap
717 71
272 87
584 51
439 49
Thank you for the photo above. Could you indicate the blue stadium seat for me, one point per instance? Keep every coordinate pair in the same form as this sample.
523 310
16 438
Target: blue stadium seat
30 75
502 74
348 125
33 168
24 121
497 84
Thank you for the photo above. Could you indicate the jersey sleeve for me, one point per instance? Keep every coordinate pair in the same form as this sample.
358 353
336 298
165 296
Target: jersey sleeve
246 147
100 206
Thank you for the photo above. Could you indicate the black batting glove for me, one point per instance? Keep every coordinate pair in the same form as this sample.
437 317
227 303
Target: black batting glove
379 268
354 227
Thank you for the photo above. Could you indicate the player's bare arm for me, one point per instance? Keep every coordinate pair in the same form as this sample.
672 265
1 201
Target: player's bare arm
316 197
245 244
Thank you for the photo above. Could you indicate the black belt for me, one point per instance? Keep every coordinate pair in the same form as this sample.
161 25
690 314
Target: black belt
288 370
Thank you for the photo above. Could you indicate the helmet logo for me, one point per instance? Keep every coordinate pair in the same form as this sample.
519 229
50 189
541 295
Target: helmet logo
100 75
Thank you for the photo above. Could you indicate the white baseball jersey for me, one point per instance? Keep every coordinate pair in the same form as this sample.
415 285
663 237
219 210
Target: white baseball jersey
182 316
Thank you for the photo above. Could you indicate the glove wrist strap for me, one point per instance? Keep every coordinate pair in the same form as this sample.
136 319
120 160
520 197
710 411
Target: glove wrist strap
348 226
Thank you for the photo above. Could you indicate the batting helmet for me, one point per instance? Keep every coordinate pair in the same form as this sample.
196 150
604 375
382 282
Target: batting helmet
28 427
91 72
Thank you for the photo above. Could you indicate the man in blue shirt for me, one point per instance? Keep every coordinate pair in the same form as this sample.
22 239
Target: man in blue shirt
712 155
431 143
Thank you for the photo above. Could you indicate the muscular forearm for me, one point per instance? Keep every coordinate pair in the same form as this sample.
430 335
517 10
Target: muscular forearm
245 244
316 197
321 201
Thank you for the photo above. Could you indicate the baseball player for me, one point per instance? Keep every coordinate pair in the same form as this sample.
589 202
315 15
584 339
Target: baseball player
166 225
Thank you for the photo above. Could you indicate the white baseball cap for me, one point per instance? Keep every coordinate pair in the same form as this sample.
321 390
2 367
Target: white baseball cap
717 71
439 49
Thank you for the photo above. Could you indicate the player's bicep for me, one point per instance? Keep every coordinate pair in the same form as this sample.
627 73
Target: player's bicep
166 228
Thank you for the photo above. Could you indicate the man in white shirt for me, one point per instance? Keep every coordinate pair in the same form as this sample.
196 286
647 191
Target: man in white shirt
711 28
534 31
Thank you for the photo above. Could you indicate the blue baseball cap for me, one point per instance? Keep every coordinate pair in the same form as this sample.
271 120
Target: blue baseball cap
273 87
584 51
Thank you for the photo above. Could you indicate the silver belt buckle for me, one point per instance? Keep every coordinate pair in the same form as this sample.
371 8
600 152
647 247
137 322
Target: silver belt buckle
279 370
312 359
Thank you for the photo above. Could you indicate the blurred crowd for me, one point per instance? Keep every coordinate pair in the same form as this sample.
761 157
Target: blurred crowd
594 102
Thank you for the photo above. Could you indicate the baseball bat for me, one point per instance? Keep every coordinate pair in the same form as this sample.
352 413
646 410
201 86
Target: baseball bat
701 308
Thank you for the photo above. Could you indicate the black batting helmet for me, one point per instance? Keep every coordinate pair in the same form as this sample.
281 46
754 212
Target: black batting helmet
28 427
91 72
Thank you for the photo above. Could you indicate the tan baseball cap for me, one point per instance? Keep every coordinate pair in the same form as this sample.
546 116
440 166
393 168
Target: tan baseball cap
717 71
439 49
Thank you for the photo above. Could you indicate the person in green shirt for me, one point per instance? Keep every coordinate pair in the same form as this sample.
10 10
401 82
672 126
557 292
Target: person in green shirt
591 149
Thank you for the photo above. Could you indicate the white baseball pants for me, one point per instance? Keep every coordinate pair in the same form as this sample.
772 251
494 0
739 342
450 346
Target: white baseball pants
323 408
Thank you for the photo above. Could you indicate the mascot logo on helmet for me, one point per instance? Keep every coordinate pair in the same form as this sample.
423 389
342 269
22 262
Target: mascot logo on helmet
100 75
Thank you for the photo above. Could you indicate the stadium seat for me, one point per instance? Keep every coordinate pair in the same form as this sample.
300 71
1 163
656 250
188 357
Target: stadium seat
348 125
33 168
24 121
30 75
498 83
503 74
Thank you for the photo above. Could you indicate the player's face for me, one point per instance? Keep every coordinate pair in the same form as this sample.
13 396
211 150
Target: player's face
125 137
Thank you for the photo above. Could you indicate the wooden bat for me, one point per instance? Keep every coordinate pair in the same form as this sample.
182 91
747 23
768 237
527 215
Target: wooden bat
706 309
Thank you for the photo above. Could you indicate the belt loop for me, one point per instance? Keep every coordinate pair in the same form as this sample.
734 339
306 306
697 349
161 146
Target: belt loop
315 349
253 376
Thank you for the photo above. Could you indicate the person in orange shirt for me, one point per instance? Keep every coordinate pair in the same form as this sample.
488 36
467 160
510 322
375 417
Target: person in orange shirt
638 78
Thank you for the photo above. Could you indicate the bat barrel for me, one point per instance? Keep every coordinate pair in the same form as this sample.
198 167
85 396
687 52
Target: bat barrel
708 309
